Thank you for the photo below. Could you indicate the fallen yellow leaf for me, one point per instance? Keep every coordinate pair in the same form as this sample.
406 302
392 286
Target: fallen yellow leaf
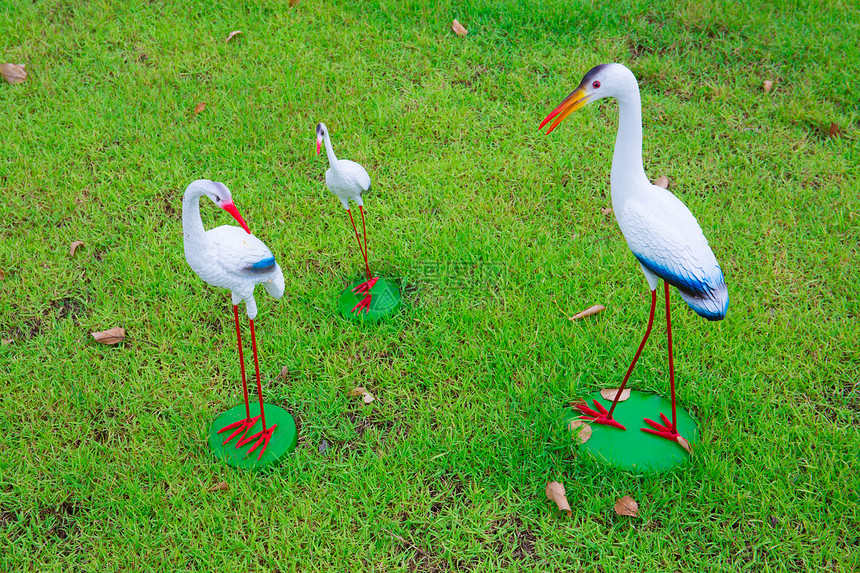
555 492
606 211
662 181
684 444
110 336
627 506
458 28
767 86
219 487
199 107
13 73
74 247
609 394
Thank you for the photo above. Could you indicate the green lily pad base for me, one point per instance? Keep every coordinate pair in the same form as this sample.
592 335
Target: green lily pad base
633 449
385 301
283 440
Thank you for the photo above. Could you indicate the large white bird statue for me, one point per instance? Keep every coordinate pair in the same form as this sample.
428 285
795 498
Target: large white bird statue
232 258
662 233
348 181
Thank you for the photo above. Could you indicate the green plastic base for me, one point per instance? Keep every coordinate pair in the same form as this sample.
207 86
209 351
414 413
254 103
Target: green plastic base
384 303
634 449
283 440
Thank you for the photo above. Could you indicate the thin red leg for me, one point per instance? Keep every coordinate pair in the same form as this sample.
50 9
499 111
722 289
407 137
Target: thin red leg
364 232
265 435
241 360
257 372
357 238
241 426
667 430
367 285
600 415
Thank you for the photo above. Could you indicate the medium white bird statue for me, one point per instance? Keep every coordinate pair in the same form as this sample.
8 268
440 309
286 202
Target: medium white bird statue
232 258
348 181
662 233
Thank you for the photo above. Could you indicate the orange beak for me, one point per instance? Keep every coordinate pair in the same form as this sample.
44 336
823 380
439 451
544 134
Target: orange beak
571 103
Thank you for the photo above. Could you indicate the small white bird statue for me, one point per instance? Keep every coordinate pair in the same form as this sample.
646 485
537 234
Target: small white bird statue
662 233
232 258
349 180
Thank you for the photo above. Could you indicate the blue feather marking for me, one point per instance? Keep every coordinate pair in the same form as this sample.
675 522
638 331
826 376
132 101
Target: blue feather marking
709 298
263 265
685 282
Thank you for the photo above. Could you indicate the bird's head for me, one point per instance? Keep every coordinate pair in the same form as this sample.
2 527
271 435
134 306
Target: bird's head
220 195
605 80
322 132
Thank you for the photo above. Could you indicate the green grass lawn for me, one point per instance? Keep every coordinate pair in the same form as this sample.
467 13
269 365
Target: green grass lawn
487 223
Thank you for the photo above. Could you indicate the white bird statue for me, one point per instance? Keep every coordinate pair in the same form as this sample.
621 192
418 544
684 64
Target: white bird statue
662 233
232 258
348 181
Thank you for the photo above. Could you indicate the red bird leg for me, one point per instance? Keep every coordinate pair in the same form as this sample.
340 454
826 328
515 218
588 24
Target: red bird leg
667 430
248 422
266 433
601 415
357 238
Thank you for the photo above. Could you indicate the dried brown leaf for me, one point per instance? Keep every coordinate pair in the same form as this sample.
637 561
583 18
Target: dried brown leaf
362 391
13 73
110 336
458 28
834 129
662 181
8 341
199 107
285 371
767 86
588 312
582 430
684 444
74 247
606 211
293 3
219 487
609 394
555 492
2 275
627 506
232 35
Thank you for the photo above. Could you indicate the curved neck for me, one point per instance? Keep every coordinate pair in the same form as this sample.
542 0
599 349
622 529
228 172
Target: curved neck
627 170
329 151
192 224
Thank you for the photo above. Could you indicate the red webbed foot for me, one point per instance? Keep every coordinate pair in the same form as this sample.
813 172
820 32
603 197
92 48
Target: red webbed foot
364 305
600 415
366 286
242 426
663 430
263 438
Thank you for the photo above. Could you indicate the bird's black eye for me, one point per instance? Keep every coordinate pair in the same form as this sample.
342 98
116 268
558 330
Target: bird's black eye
595 84
217 198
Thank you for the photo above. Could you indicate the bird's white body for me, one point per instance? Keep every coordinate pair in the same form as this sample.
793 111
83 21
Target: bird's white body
346 179
660 230
227 256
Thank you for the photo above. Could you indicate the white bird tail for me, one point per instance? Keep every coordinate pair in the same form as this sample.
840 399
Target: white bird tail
275 285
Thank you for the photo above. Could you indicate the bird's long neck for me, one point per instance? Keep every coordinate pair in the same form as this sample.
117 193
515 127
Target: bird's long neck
332 159
628 173
192 226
